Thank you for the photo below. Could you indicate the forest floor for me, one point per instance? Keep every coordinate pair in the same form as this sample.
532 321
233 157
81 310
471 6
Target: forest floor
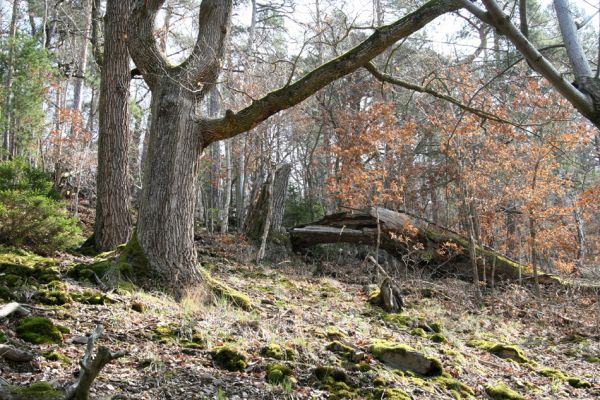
294 318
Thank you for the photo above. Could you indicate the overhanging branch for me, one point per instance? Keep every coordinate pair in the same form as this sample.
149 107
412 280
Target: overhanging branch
235 123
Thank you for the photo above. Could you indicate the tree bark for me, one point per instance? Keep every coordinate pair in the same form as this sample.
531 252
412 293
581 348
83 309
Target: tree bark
113 221
257 215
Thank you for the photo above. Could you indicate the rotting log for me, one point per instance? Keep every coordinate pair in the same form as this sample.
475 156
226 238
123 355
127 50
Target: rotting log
402 235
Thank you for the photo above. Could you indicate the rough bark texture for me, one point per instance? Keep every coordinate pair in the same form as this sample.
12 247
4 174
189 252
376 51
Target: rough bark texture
257 214
429 245
113 220
8 144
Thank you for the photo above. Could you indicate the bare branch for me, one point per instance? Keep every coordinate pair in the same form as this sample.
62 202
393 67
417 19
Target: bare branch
202 67
496 17
407 85
143 47
235 123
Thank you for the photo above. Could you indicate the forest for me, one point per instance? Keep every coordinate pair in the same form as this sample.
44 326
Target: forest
286 199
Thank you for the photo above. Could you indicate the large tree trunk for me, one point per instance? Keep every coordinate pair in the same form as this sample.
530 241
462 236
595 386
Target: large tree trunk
165 228
113 220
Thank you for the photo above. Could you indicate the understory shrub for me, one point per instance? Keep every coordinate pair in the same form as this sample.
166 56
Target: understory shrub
30 214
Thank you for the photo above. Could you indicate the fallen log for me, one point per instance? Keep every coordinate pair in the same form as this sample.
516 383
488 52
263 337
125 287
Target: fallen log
13 354
401 235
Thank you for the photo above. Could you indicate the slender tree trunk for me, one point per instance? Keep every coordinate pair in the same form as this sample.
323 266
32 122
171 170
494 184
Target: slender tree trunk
82 61
113 220
226 189
9 136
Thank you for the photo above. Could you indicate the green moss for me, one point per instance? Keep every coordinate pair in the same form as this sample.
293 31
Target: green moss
6 294
502 392
451 384
501 350
375 297
54 294
406 358
91 297
336 382
278 373
39 330
340 349
552 373
438 338
223 291
278 352
20 267
54 355
138 306
398 320
390 394
592 359
578 383
2 337
574 338
38 390
437 327
420 332
229 358
324 373
333 333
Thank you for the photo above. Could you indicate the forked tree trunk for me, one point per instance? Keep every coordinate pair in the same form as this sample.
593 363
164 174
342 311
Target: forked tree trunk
113 220
178 135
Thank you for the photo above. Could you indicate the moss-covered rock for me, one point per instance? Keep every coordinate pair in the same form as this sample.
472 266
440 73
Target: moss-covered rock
436 326
501 350
341 349
39 330
578 383
438 338
2 337
420 332
335 333
273 350
390 394
37 391
197 342
336 382
53 294
405 358
228 358
6 294
278 373
223 291
92 297
19 267
138 306
54 355
454 386
500 391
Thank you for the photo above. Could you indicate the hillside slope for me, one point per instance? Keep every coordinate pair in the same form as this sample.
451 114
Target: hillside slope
304 336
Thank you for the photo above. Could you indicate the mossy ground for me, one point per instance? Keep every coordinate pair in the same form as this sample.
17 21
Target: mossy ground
174 347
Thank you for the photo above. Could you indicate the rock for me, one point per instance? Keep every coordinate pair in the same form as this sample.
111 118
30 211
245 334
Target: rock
405 358
502 392
229 358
